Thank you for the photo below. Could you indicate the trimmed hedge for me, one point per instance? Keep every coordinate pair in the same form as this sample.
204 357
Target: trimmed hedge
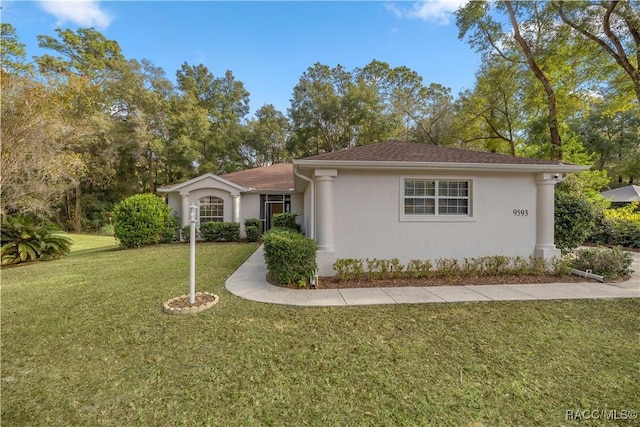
286 220
252 232
143 219
290 256
376 268
252 228
215 231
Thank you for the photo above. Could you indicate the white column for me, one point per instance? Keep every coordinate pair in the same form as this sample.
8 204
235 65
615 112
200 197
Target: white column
235 208
184 215
545 246
324 208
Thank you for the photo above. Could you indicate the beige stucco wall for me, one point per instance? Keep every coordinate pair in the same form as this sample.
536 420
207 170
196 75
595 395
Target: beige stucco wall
368 219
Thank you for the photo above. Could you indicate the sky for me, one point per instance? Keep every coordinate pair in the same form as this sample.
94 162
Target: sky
267 45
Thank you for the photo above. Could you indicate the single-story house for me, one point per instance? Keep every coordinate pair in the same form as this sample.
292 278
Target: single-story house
394 200
622 196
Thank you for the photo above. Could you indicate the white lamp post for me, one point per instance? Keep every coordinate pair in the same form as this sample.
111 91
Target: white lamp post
192 255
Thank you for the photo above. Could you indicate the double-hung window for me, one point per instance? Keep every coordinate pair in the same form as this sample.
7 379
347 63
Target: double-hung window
211 209
436 197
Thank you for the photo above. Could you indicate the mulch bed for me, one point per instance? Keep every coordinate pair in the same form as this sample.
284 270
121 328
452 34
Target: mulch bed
334 283
184 301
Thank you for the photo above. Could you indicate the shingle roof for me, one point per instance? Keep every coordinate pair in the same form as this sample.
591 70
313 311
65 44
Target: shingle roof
274 177
397 151
630 193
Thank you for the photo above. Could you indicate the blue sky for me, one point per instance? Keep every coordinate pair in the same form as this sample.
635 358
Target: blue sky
267 45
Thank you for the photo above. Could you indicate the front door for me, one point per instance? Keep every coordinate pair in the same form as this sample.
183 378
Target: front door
272 209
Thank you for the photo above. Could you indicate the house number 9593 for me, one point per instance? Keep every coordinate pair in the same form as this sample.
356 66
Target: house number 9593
520 212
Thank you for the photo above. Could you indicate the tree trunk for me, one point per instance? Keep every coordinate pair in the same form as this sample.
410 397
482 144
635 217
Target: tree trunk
77 223
556 142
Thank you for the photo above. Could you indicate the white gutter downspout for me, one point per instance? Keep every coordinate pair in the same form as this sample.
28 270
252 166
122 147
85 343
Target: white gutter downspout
312 214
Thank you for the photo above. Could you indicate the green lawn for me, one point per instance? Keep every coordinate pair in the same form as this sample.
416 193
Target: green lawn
85 343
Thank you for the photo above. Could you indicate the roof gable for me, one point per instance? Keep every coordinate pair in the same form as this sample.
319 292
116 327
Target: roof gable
201 182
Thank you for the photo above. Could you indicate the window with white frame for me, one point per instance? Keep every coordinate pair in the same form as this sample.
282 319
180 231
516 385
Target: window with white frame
436 197
211 209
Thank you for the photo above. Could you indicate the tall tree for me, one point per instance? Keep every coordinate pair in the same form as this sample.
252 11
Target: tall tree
614 26
268 134
320 119
12 51
613 138
36 167
491 115
87 68
534 36
227 102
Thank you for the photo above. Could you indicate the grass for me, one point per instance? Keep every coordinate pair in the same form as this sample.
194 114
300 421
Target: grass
85 342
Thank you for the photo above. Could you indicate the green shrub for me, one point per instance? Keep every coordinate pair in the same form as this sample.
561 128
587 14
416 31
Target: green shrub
618 227
610 263
290 256
185 233
248 222
253 229
574 221
519 266
349 268
286 220
253 233
559 266
396 268
418 268
447 267
538 266
22 239
378 268
497 265
143 219
215 231
473 267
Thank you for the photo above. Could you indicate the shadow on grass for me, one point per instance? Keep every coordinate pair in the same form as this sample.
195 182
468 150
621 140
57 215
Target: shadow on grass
90 251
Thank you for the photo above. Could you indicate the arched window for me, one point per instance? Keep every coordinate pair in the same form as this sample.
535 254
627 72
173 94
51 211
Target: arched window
211 209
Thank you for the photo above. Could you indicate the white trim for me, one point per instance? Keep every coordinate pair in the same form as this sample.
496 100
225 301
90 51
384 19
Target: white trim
439 166
176 187
403 217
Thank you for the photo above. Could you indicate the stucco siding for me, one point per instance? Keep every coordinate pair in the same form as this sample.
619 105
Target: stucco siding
174 200
297 206
306 211
368 219
249 206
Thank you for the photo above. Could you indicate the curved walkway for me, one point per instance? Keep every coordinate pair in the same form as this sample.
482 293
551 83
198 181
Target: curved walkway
249 282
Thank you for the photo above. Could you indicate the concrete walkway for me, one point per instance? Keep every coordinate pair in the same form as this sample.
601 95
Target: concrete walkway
249 282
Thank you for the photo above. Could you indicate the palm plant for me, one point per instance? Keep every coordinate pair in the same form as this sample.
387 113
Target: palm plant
22 239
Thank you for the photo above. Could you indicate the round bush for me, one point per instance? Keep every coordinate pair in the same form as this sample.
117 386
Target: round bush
252 232
143 219
574 221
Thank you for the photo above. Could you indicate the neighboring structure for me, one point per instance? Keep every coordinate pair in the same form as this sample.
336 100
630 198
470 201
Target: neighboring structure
253 193
623 196
396 200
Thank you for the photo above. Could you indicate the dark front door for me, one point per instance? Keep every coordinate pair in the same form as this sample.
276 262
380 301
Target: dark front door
272 209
